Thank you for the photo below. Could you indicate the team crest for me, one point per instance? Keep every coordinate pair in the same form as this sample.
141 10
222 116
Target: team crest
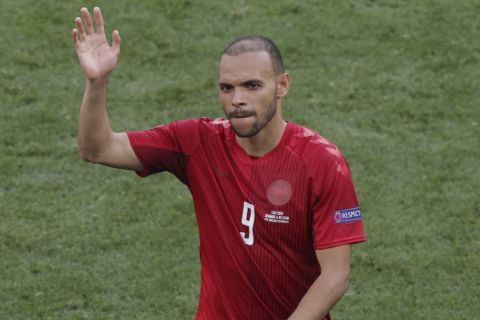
279 192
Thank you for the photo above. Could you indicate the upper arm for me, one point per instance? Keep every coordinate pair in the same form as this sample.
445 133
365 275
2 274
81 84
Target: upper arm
161 148
337 217
335 262
118 153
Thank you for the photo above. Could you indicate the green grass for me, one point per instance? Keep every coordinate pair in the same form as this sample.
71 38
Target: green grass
393 83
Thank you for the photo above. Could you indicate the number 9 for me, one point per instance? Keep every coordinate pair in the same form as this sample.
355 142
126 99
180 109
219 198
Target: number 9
248 220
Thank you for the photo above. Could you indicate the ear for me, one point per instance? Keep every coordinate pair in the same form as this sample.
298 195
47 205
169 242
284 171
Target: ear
283 85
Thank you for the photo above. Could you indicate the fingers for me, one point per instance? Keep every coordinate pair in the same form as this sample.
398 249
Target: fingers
84 26
116 40
87 20
80 28
98 20
75 36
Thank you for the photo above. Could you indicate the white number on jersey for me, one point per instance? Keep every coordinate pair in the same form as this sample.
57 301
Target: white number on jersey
248 218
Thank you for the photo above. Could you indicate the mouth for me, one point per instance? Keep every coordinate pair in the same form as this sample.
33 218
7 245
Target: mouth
240 115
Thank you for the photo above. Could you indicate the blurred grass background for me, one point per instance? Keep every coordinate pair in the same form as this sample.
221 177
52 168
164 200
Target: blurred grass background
393 83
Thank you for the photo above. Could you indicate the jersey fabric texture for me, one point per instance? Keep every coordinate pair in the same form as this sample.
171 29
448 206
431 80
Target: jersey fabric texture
260 219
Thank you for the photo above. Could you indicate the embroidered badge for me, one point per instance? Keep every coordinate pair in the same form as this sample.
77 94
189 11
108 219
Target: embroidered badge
279 192
347 215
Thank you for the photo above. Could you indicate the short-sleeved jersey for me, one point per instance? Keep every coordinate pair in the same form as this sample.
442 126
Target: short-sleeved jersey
260 219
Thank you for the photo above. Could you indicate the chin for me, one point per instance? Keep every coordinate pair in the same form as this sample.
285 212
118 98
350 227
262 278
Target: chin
245 132
244 127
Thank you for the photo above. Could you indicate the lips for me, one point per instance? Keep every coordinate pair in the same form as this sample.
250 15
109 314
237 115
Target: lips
240 115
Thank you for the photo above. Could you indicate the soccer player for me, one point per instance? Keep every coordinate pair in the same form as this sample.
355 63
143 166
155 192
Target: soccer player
275 203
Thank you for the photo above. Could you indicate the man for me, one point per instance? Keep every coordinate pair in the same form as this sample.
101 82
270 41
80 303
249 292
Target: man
275 203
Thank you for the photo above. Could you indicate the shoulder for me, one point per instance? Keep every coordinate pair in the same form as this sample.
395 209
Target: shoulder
193 127
214 128
311 146
180 135
201 131
324 159
217 125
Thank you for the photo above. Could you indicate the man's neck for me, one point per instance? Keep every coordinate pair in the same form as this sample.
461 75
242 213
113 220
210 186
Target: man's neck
264 141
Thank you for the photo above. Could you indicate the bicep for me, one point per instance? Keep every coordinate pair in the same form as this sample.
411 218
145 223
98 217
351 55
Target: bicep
335 262
119 153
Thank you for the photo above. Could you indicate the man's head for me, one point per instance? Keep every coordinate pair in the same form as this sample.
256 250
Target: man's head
251 83
257 43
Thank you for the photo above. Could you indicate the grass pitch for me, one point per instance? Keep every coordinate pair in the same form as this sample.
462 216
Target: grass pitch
393 83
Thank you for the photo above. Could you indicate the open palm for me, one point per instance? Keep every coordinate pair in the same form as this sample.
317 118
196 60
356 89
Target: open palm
97 58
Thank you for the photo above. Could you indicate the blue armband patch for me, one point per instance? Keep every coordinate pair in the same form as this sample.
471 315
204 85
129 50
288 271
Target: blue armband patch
347 215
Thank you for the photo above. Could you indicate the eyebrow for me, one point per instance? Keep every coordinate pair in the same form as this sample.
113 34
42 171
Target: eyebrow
243 83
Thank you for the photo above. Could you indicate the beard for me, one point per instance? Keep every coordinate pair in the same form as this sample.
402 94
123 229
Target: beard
260 123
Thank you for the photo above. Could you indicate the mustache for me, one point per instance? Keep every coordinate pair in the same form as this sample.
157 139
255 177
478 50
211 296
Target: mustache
241 114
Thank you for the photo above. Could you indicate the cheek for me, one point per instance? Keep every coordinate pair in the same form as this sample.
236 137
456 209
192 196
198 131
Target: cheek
265 99
224 100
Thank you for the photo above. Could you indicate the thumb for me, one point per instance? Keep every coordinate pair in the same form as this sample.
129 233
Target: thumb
116 40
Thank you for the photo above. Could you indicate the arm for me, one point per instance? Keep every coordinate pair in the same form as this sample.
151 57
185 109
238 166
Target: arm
329 287
96 140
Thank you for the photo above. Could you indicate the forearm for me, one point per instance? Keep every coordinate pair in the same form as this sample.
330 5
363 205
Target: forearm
94 130
324 293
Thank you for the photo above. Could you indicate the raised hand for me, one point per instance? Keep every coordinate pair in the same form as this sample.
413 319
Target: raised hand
97 58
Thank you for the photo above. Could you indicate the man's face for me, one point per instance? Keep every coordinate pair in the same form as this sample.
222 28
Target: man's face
248 91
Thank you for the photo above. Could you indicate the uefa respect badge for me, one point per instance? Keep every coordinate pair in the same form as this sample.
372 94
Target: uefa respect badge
347 215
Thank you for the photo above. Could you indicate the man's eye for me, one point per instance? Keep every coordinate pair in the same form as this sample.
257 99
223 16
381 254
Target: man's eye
252 85
226 88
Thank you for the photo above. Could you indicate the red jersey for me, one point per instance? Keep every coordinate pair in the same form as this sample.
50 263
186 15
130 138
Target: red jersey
260 219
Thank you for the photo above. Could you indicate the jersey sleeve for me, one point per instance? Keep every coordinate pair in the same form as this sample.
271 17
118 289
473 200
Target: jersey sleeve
337 219
165 147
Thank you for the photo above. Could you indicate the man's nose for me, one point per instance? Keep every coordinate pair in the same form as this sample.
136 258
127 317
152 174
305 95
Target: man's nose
238 98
